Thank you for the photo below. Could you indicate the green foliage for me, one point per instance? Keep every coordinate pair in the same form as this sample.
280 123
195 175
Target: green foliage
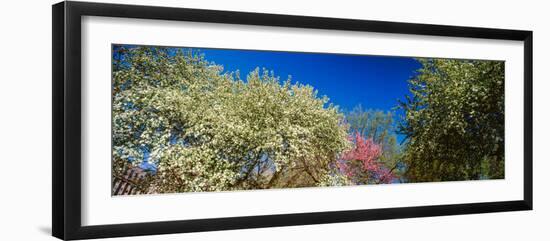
454 121
211 131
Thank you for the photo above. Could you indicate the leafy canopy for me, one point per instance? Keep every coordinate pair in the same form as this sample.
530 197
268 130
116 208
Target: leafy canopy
454 121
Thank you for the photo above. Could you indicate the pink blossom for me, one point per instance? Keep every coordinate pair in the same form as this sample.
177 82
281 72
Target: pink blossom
362 162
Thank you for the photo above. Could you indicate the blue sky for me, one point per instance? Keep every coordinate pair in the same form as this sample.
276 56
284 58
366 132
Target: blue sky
375 82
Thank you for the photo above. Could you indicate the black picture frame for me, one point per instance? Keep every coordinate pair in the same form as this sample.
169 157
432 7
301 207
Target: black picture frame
66 127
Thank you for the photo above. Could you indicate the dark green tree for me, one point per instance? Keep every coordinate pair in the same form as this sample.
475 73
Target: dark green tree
454 121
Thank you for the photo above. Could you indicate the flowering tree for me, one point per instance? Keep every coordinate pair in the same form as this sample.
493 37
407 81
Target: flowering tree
157 97
380 127
362 165
206 130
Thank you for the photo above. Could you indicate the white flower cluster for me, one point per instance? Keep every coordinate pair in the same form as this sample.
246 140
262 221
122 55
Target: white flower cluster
209 131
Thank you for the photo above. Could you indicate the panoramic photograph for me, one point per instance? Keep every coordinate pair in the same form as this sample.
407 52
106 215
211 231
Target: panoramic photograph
191 119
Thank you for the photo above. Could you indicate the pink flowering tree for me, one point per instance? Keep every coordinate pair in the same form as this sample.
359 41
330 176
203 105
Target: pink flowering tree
361 164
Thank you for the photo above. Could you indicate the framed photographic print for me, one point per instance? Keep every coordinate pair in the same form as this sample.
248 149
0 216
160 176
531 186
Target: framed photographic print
169 120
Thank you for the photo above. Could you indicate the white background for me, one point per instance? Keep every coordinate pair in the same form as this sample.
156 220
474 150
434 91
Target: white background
25 100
